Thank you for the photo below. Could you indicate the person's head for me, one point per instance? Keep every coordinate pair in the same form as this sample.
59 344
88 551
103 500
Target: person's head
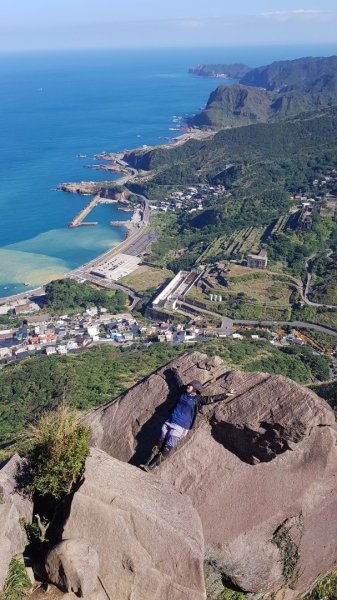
195 387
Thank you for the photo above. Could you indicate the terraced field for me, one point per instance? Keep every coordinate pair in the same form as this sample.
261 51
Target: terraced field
236 245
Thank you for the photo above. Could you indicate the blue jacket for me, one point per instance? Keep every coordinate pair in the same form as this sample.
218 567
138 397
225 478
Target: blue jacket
185 411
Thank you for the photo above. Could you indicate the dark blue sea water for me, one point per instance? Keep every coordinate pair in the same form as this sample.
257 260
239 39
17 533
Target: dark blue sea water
54 106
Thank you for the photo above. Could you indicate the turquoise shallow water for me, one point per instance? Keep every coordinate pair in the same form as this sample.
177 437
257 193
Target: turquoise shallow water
55 106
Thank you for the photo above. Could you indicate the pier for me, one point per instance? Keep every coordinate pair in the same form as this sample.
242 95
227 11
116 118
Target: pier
77 221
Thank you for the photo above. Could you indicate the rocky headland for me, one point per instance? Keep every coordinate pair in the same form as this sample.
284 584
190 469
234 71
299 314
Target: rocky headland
222 71
270 93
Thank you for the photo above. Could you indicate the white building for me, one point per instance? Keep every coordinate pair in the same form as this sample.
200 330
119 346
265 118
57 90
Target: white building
92 311
93 331
5 352
62 349
50 350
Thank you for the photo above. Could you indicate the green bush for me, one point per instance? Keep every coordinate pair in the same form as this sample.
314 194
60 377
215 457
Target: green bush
325 589
17 583
57 455
67 295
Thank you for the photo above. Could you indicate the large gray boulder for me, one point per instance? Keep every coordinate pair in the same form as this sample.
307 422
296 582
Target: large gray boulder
260 468
147 536
73 566
15 511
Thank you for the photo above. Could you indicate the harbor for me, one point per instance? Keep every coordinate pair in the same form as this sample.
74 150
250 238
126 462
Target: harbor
77 221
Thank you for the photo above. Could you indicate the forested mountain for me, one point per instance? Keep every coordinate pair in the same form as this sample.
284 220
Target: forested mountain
304 74
284 153
272 93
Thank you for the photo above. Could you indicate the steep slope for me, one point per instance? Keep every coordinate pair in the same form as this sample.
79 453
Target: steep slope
303 74
147 536
230 105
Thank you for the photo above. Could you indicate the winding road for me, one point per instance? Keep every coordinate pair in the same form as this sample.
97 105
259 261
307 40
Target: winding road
305 292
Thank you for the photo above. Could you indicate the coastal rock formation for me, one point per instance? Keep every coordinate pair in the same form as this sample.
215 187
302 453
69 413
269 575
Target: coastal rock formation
83 187
15 509
147 536
260 468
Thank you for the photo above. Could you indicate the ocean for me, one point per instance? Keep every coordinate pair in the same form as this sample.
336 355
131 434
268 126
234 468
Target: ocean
55 106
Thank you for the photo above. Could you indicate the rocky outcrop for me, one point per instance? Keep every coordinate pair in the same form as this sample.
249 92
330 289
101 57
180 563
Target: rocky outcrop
83 187
15 510
147 536
73 566
260 469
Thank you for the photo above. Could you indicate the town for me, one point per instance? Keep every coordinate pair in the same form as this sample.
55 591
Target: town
41 333
37 332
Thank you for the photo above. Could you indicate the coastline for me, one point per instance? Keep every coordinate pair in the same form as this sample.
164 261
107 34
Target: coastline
133 226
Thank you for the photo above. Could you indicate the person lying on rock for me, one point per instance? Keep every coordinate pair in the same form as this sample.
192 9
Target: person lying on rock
181 420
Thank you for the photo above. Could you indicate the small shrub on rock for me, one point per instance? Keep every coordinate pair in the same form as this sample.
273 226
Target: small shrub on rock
59 447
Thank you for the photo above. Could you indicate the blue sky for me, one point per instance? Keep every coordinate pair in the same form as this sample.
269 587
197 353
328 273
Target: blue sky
63 24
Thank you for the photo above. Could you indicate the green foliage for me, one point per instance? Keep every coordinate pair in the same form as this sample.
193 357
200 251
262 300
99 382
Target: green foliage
312 314
69 296
34 385
324 285
6 320
277 156
56 459
17 583
325 589
295 249
289 551
33 532
231 594
218 585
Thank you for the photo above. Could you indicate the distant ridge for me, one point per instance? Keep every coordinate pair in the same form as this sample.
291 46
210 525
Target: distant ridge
234 71
272 93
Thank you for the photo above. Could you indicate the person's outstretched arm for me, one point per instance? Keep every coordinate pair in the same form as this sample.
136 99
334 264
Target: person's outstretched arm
215 398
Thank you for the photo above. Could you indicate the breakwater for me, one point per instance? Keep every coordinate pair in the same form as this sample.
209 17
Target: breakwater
77 221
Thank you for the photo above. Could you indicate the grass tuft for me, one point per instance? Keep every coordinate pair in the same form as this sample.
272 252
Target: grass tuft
58 449
17 583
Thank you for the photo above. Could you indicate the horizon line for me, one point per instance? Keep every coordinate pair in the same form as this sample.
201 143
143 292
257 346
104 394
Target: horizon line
146 48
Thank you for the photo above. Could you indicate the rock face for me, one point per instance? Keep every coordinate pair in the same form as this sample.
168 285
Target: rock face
73 566
260 468
147 536
14 511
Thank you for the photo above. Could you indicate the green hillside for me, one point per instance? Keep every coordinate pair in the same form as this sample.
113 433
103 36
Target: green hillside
283 154
272 93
